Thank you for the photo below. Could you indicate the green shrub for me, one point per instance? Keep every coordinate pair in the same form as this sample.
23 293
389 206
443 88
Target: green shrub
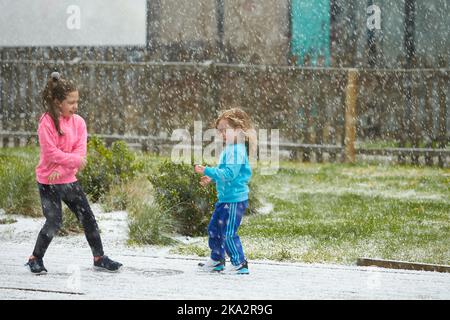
148 224
254 202
19 192
71 225
106 167
116 199
177 190
121 196
96 176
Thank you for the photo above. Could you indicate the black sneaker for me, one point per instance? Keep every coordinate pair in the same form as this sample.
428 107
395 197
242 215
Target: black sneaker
36 266
106 264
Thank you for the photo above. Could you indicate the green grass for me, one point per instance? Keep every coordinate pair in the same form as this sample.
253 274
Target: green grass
148 224
321 213
7 220
70 225
335 213
18 191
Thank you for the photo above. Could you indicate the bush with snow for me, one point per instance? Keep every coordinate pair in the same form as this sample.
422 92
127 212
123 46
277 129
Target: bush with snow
178 191
18 192
107 167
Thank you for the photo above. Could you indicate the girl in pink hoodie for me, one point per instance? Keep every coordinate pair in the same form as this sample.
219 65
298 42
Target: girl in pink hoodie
62 139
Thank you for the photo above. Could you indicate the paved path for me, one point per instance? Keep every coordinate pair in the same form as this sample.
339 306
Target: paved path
154 276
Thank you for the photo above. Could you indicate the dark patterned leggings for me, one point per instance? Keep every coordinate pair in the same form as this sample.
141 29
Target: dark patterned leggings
74 197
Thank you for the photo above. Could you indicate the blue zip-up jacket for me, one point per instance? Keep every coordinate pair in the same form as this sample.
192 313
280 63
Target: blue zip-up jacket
232 174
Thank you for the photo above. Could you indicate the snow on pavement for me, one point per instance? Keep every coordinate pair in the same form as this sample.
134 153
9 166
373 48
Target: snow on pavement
151 272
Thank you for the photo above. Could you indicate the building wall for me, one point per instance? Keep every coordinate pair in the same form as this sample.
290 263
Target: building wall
188 21
257 31
253 31
433 22
349 33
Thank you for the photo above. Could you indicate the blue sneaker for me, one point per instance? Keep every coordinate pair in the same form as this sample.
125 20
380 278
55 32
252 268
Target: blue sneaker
212 265
239 269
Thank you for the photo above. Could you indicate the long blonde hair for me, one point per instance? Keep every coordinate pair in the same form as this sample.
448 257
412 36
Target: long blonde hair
239 119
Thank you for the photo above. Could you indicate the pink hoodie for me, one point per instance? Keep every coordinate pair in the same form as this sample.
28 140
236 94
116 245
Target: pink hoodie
61 153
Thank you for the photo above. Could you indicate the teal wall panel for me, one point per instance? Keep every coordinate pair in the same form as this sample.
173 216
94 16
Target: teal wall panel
310 23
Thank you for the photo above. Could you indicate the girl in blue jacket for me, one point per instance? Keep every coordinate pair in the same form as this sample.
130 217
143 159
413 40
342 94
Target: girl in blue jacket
231 176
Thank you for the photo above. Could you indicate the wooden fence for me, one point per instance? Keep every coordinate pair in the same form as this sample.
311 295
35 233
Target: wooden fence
323 114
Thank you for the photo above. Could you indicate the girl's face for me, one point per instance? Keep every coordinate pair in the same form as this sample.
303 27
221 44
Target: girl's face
229 135
69 106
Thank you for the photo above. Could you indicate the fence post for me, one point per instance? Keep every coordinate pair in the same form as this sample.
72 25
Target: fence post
442 96
427 127
350 116
415 134
309 100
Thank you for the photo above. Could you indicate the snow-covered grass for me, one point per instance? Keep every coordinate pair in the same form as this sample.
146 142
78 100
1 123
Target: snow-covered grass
147 224
316 213
18 191
7 220
337 213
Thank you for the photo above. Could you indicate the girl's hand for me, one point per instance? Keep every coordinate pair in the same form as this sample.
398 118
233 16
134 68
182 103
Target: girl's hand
205 180
53 176
199 169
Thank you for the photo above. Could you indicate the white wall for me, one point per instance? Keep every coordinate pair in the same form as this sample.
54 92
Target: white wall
47 23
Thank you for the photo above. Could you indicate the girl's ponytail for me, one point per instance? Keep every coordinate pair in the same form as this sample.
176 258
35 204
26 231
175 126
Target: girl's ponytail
56 88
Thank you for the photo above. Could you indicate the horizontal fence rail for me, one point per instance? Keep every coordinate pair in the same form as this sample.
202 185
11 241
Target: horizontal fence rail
143 102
